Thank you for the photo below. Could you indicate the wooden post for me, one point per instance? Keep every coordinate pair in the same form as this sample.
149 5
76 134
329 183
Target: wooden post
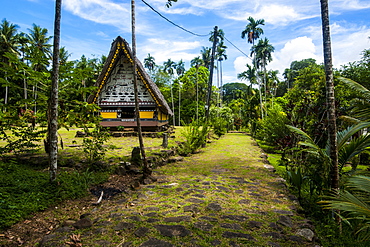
165 140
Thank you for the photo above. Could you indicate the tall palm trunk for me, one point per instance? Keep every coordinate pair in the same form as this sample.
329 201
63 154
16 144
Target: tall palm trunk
179 103
221 83
211 73
218 82
173 105
53 101
330 94
258 82
197 93
146 170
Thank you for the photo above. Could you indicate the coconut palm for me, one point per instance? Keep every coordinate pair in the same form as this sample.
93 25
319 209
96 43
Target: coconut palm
53 101
9 42
40 49
330 98
39 53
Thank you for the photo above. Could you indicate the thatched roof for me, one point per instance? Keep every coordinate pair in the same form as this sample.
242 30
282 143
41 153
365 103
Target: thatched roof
120 48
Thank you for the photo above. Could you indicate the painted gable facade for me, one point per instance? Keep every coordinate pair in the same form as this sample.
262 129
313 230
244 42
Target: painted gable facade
116 98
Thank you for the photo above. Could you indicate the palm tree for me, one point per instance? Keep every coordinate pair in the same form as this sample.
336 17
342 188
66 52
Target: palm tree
273 81
249 74
206 56
221 55
146 169
330 93
9 42
180 70
197 62
23 48
40 49
169 67
39 53
53 101
252 32
149 63
263 54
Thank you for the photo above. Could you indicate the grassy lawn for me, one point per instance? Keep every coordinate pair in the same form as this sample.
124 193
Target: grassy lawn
24 178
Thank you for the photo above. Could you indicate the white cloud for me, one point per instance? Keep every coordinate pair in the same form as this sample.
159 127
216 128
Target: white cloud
162 50
294 50
351 4
101 11
347 47
240 64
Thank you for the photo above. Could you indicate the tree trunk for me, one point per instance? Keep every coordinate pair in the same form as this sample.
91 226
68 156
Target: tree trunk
53 101
197 94
179 103
146 170
221 84
330 94
211 72
173 105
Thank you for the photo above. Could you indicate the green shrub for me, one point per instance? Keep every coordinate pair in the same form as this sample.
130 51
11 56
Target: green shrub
93 144
195 135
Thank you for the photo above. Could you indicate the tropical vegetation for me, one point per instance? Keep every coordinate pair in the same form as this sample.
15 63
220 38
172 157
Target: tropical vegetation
323 157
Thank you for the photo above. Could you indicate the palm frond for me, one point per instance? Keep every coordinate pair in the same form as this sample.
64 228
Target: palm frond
361 183
353 204
355 86
345 201
354 147
345 135
301 133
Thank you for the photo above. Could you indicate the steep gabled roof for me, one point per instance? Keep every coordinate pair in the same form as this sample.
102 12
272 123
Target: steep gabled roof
121 48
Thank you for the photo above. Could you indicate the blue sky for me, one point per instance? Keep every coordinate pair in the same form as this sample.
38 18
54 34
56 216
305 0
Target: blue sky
293 27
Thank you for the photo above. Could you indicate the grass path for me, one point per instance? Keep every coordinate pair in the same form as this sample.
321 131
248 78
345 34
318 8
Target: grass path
221 196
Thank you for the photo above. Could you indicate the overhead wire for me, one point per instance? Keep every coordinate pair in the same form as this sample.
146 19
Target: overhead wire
192 33
200 35
237 48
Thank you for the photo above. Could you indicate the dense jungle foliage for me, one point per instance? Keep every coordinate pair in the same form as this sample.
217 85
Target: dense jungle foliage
287 116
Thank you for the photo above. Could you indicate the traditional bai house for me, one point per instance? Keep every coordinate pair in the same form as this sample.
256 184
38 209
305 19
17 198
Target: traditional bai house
115 95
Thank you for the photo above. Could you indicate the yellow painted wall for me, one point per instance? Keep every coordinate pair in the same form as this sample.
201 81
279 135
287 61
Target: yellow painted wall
162 116
109 114
146 114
